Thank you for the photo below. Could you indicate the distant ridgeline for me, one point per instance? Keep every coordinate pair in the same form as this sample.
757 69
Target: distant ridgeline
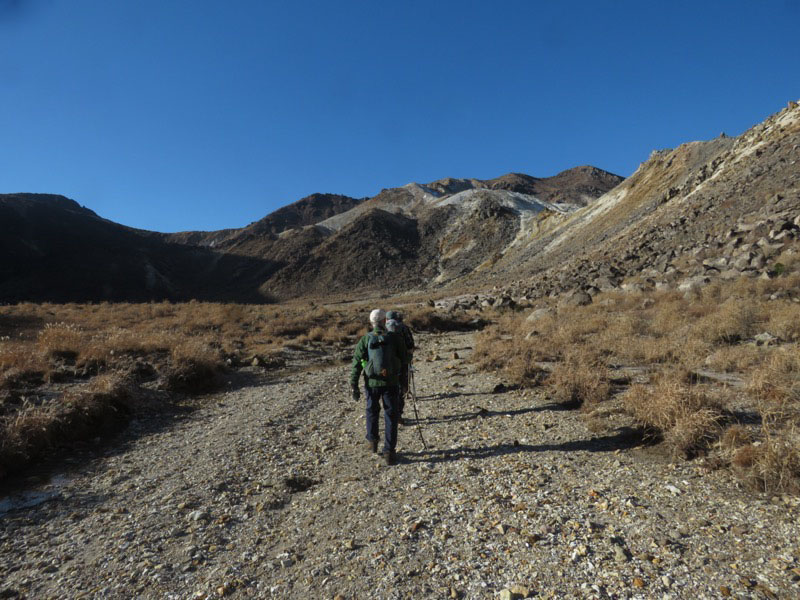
56 250
583 230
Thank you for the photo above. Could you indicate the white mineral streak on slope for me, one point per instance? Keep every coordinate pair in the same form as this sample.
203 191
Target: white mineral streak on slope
421 196
722 167
586 215
528 226
336 222
790 117
418 195
749 143
522 204
422 193
525 206
745 146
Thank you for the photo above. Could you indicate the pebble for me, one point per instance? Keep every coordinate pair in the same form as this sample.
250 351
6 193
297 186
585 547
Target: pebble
472 515
521 591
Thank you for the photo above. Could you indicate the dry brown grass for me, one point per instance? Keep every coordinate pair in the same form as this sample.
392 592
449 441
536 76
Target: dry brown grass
501 347
195 367
744 458
487 353
25 434
735 359
332 329
688 417
98 408
736 319
735 438
581 379
774 463
522 366
776 385
176 347
61 340
711 328
21 363
784 320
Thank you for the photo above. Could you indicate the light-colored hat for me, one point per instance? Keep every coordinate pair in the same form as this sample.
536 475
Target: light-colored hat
377 315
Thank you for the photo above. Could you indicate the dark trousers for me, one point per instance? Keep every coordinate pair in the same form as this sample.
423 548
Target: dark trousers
389 396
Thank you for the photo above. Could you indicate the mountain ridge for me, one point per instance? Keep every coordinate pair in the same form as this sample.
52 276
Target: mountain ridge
319 243
582 229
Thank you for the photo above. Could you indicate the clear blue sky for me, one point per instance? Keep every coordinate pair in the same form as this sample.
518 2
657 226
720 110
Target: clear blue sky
191 114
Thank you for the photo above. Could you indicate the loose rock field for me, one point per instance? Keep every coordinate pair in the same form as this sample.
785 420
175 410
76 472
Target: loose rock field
269 491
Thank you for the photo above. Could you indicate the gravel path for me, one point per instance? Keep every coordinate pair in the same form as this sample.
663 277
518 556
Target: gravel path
269 491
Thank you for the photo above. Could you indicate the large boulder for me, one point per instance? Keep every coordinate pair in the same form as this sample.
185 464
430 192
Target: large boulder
604 283
693 283
504 301
539 313
576 298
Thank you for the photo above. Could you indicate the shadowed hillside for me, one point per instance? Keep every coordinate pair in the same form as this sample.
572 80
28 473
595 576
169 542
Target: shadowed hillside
54 250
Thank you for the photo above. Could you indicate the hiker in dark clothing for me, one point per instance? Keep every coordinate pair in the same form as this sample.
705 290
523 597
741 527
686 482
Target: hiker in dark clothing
394 322
380 354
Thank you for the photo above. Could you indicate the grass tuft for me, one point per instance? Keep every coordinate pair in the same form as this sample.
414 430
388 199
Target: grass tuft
580 380
688 417
98 408
195 368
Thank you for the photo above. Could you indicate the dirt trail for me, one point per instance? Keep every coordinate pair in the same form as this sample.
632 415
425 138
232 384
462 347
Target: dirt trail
269 491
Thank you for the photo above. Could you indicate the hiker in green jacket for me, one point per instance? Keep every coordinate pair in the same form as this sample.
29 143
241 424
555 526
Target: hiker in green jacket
380 354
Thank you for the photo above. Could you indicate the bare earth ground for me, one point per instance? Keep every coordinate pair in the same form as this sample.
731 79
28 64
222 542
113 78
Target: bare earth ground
268 491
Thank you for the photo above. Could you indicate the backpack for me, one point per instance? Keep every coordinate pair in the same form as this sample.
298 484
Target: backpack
382 361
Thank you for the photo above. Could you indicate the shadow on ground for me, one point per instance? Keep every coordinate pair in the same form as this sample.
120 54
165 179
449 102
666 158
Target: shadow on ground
480 413
483 413
623 439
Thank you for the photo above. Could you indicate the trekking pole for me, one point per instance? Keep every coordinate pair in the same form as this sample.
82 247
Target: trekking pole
414 404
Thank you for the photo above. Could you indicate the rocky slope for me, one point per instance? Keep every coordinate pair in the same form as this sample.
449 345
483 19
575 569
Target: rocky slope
268 491
722 208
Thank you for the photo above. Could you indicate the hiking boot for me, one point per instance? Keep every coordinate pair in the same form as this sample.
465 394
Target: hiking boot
390 457
372 445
